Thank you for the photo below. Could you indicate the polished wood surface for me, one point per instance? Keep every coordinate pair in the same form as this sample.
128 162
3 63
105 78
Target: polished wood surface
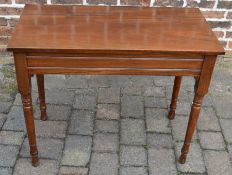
53 28
52 39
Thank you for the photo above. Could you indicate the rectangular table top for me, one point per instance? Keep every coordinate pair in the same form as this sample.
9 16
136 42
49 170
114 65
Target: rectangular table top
54 28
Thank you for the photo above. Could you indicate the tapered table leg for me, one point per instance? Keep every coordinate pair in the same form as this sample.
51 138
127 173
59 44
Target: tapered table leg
24 87
175 93
40 83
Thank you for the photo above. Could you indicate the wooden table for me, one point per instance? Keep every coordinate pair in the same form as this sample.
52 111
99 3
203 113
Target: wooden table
52 39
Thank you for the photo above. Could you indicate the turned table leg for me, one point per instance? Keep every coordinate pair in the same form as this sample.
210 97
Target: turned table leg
40 83
175 93
24 87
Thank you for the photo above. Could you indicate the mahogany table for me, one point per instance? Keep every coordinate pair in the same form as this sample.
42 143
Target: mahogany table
52 39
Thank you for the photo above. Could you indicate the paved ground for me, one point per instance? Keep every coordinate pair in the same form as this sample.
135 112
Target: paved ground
117 125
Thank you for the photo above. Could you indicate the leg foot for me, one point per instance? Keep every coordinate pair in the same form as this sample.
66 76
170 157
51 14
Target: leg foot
35 161
171 114
182 158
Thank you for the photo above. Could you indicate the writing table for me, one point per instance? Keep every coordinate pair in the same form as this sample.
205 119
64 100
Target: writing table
53 39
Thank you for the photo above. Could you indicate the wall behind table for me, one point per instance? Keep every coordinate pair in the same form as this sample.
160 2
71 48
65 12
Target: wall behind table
217 12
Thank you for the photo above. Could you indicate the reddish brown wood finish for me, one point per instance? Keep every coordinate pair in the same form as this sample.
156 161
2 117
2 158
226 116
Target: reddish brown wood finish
52 39
175 93
40 83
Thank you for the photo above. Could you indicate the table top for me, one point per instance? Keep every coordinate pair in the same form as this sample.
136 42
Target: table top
54 28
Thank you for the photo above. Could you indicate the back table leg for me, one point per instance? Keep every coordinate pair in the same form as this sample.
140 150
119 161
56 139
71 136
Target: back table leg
175 93
40 83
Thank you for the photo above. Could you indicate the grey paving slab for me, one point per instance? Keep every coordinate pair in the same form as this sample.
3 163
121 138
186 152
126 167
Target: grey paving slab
230 150
23 167
133 171
183 108
132 106
66 170
8 155
109 95
15 120
163 81
108 111
56 96
223 105
47 147
154 91
194 163
5 171
55 82
3 118
226 129
104 164
159 141
86 91
217 162
77 81
81 122
142 81
179 126
208 120
132 90
100 80
161 161
77 150
55 112
111 126
85 102
105 142
55 129
212 140
133 132
133 156
11 138
157 121
5 106
156 102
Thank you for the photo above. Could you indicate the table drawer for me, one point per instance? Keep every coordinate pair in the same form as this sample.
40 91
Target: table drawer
110 62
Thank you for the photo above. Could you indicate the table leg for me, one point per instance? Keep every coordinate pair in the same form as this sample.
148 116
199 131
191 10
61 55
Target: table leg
24 87
175 93
40 83
201 88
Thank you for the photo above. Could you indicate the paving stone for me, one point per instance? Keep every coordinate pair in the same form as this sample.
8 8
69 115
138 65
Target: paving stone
77 150
66 170
81 122
179 127
183 108
194 162
50 128
154 91
55 112
3 118
217 162
86 91
133 171
85 102
208 120
23 167
230 150
109 95
161 161
99 81
108 111
133 155
8 155
212 140
18 100
56 96
80 81
132 106
5 171
121 81
104 164
48 148
226 129
159 140
223 106
105 142
106 126
163 81
15 120
155 102
132 132
55 81
11 138
207 101
132 90
157 121
5 106
142 81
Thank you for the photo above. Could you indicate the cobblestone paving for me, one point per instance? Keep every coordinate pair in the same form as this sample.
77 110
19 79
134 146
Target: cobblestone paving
117 125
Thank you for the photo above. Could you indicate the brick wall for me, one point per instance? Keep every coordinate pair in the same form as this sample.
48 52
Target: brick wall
217 12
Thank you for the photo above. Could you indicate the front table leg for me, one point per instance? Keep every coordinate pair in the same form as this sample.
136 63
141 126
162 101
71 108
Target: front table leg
24 87
201 88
